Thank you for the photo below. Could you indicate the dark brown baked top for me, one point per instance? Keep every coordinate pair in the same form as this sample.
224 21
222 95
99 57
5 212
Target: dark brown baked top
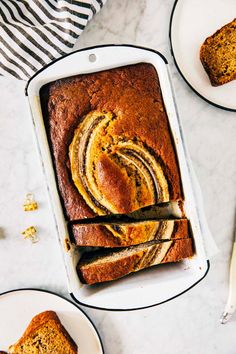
110 138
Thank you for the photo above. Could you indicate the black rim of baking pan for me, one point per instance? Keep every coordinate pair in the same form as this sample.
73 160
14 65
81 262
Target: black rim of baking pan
72 294
62 297
142 307
179 70
88 48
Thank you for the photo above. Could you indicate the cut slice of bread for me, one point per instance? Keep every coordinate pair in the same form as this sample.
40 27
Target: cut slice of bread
102 266
218 55
127 234
45 335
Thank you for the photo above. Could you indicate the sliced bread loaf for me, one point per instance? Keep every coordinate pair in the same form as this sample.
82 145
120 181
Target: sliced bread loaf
218 55
102 266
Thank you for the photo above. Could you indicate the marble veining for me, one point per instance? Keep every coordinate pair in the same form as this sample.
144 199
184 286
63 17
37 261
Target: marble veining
190 323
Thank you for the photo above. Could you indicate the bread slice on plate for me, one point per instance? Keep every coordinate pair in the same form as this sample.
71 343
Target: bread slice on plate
102 266
127 234
45 334
218 55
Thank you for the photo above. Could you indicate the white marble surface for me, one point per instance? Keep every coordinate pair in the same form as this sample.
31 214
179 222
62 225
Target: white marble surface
188 324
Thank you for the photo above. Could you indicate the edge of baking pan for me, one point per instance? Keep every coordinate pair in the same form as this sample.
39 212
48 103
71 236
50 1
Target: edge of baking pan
143 307
88 48
65 256
179 70
64 298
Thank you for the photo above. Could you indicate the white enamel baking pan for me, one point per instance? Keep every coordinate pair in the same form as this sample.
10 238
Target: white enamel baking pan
157 284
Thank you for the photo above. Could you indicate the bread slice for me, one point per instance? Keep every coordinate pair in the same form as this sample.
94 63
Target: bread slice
102 266
218 55
127 234
45 335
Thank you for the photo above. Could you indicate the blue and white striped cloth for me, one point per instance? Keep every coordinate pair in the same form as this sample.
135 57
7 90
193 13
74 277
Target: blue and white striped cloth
35 32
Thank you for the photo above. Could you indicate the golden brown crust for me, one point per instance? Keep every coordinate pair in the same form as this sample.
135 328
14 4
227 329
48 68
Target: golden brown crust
39 320
92 270
133 95
42 319
93 234
111 178
179 250
218 55
116 235
109 271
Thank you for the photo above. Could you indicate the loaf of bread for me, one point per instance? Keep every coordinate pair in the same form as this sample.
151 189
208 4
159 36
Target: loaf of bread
121 235
114 153
111 143
218 55
45 334
97 267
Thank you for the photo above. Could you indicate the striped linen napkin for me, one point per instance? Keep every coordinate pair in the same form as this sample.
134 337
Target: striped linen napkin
35 32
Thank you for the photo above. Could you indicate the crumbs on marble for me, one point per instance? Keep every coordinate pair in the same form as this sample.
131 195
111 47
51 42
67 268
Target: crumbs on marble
67 244
30 204
1 233
187 268
31 234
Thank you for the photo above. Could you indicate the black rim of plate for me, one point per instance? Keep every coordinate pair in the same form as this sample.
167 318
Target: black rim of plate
179 70
63 298
71 294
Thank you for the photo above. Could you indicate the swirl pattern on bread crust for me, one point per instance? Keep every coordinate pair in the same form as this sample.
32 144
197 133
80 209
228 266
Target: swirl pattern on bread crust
127 234
102 266
127 153
114 174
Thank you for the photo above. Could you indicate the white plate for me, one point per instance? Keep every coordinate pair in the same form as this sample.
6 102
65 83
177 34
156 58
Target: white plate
18 307
191 23
151 286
